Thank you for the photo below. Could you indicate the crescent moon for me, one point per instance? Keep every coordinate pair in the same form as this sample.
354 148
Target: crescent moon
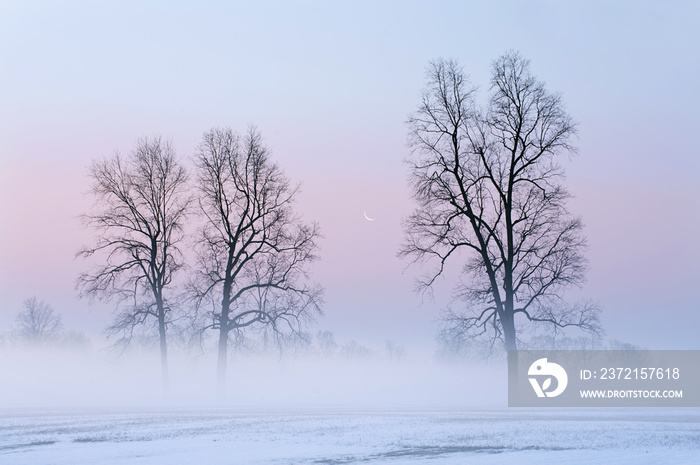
367 217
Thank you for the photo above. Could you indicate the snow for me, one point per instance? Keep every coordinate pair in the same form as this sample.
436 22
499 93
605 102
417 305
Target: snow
237 436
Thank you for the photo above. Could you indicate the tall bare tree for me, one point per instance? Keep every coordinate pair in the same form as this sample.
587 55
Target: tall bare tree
254 249
141 204
488 188
37 321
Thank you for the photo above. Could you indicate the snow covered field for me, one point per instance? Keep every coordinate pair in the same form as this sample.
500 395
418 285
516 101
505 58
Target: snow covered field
205 436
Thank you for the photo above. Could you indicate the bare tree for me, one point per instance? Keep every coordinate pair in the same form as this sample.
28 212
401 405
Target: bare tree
488 188
325 341
37 321
141 203
253 250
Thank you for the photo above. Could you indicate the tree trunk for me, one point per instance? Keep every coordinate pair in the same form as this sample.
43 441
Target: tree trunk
224 327
222 364
163 347
508 325
513 385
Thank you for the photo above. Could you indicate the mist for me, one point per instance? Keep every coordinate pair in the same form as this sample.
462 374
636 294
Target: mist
93 377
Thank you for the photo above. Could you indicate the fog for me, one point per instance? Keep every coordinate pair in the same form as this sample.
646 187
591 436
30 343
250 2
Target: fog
69 378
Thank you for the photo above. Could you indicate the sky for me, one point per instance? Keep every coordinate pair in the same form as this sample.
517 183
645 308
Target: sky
330 85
